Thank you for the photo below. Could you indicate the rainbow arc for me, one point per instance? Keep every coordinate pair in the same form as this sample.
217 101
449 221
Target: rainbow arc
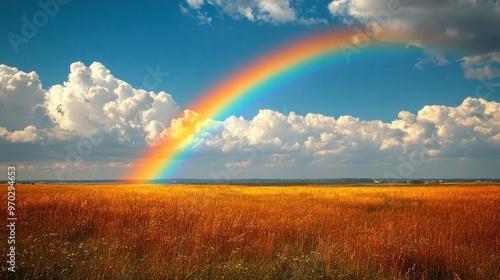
159 161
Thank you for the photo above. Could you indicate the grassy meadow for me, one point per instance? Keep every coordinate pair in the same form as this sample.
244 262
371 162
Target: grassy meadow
230 232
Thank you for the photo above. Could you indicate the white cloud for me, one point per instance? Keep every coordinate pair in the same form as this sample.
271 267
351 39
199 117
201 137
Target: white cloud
269 11
468 130
195 4
28 134
275 11
21 98
434 58
92 98
482 66
469 26
203 18
339 7
456 131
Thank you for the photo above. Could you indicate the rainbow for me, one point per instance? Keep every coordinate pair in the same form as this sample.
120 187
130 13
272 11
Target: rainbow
158 162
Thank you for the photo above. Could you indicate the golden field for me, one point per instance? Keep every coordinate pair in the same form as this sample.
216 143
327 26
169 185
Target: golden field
230 232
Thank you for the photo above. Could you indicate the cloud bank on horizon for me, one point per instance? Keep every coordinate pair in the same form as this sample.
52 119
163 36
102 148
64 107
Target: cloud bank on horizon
48 123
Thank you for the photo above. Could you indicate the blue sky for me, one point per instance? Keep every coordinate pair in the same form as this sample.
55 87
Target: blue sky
128 38
198 43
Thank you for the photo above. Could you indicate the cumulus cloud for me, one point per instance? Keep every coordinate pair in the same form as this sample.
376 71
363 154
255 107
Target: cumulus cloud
469 130
28 134
467 26
21 99
269 11
92 99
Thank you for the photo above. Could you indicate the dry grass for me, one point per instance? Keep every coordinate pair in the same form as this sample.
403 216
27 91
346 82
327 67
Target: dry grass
211 232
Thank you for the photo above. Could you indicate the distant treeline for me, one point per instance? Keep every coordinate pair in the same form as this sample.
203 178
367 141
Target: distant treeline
271 182
332 181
